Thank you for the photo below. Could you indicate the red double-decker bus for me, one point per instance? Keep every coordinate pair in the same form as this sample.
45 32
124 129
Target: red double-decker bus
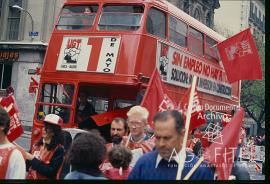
109 48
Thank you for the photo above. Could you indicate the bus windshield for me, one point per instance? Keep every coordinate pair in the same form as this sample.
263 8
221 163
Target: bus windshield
56 99
57 93
116 17
77 17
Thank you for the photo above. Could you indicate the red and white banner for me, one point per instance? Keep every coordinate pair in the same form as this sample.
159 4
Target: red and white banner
155 99
177 67
240 57
197 114
15 128
91 54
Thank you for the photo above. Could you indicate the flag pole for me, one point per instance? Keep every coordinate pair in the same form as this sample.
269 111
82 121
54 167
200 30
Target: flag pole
194 168
182 153
129 135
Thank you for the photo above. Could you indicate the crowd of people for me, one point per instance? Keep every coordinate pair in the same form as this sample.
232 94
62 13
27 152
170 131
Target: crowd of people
132 154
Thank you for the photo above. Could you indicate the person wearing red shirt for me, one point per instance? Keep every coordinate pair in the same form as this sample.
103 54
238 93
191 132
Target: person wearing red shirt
47 155
120 157
12 164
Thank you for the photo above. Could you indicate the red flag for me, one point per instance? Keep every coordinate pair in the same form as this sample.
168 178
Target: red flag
155 100
107 117
197 116
240 57
15 128
221 153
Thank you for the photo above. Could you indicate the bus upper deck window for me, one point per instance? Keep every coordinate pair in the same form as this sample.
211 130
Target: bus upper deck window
178 31
77 17
121 17
156 23
211 49
195 41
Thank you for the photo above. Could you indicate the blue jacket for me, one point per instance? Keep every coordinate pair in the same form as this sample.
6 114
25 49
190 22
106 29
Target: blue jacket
145 169
76 175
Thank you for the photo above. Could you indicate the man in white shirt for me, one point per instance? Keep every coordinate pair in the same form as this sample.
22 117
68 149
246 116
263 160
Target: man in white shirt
12 163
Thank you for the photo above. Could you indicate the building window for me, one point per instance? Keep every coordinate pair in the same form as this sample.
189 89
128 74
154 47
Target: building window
197 15
251 7
186 6
5 75
156 23
13 20
1 1
208 19
178 32
255 11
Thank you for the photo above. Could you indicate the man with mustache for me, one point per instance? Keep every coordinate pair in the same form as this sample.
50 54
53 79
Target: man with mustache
118 130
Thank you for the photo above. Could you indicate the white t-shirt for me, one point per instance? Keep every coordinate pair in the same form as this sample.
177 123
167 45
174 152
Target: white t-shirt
16 165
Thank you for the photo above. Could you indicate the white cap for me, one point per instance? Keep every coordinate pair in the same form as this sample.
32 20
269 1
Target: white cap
53 119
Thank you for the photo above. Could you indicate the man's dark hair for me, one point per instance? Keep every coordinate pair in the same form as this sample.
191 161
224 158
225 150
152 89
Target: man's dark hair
165 115
120 156
118 120
4 120
87 151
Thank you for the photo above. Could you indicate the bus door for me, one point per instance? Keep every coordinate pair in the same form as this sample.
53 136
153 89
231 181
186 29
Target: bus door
97 99
55 98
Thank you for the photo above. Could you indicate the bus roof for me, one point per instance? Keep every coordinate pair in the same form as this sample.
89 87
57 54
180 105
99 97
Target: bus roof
167 6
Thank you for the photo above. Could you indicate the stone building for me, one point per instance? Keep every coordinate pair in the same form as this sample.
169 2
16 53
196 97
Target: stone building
202 10
235 16
24 36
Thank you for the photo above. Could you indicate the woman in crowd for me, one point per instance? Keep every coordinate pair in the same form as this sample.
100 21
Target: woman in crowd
48 153
86 154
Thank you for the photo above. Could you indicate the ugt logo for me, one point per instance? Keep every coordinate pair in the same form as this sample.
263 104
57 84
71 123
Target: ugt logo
72 50
238 50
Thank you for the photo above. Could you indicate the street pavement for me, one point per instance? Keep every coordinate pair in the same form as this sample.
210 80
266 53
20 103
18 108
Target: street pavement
24 141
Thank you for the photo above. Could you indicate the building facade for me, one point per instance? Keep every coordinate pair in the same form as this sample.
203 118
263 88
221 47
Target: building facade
24 36
202 10
234 16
